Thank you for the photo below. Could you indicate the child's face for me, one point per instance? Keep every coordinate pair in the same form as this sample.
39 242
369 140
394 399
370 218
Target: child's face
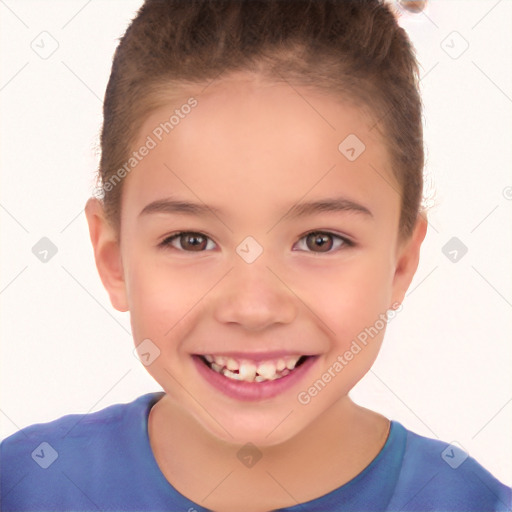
252 152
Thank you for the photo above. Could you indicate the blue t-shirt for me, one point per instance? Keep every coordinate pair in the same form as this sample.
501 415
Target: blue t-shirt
103 461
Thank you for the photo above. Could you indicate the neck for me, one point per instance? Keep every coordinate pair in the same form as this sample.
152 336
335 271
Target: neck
326 454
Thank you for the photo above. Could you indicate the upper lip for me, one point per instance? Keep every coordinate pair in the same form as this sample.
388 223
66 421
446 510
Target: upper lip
257 356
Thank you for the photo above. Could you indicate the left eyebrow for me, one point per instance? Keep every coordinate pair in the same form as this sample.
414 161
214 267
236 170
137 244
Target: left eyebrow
336 204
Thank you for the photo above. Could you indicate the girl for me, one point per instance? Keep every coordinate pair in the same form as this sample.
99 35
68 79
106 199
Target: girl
259 217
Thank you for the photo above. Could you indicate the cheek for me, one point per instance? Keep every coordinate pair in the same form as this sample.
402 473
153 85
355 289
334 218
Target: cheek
352 306
156 298
348 298
164 300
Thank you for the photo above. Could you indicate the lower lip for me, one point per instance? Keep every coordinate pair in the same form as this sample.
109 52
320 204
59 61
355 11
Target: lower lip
252 391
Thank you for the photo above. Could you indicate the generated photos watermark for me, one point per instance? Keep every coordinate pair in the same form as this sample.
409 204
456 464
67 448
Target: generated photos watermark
157 135
356 346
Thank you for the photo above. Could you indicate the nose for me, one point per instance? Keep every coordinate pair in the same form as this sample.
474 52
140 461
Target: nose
255 297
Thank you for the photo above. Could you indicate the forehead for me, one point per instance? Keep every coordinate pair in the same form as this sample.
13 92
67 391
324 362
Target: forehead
250 143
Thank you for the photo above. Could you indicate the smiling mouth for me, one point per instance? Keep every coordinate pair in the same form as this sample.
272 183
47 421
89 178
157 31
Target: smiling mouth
252 371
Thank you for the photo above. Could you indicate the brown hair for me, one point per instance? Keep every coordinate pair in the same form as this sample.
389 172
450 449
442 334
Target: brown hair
354 49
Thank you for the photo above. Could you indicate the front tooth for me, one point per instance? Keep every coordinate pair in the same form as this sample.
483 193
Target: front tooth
291 362
247 371
231 364
267 370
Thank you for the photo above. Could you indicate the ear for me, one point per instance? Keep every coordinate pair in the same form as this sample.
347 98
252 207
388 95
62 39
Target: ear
107 254
408 257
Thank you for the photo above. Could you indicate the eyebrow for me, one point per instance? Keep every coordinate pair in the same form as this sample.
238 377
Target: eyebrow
336 204
171 206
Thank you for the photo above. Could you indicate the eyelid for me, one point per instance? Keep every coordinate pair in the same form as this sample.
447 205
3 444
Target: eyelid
346 238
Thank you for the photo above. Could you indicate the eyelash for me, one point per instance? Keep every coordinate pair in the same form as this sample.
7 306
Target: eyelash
346 243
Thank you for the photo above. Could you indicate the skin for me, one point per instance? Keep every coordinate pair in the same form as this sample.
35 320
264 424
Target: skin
254 149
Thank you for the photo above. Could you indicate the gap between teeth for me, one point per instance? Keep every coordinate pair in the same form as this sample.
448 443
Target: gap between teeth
248 371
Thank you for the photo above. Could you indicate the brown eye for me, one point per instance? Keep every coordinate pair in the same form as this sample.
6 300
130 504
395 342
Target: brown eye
321 241
193 241
188 241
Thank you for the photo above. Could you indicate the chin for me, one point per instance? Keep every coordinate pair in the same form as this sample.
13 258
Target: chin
257 428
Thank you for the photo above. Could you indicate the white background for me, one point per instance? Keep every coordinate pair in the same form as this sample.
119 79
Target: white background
444 370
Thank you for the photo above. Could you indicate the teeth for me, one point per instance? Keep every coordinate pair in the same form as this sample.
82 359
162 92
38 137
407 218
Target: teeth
231 375
267 370
216 367
231 364
249 371
291 362
220 360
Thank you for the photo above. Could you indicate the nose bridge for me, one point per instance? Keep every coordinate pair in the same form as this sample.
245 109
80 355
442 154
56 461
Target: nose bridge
253 296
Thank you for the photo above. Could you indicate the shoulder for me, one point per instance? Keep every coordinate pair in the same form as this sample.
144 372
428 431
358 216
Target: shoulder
41 458
72 428
436 475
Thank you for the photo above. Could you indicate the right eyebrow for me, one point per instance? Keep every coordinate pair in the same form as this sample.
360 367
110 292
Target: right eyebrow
170 206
